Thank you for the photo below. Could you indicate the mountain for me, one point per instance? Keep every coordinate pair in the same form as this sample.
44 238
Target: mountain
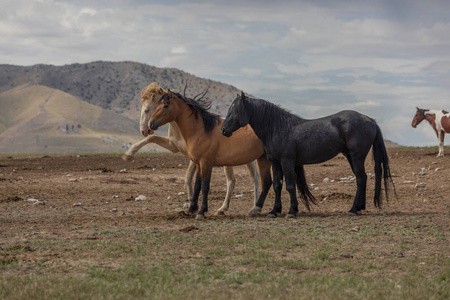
93 107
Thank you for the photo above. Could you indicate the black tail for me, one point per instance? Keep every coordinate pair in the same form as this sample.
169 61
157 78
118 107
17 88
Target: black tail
381 168
303 188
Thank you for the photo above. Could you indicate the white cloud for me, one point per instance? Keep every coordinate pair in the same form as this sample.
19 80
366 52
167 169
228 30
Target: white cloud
178 50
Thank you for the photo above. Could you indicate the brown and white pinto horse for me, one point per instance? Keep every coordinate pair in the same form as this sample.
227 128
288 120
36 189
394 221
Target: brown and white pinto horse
439 120
207 147
175 143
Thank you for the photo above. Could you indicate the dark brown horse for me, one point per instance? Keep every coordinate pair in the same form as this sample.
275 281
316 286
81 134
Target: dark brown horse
439 120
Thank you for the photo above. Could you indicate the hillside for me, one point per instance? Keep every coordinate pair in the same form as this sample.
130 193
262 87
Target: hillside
38 119
90 107
114 85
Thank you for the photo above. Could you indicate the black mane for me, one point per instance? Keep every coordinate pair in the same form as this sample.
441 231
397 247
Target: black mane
276 119
201 106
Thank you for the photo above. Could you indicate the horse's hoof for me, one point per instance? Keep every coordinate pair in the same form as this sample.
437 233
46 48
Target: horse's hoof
192 209
272 216
219 213
254 212
291 216
199 217
127 157
353 214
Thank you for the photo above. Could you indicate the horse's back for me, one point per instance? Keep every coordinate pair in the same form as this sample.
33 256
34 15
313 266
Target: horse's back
321 139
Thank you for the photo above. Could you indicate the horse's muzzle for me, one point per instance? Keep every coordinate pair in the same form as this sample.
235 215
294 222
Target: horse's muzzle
225 133
147 133
154 125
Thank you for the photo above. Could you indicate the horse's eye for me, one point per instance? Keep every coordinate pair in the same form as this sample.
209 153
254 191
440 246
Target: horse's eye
146 111
166 105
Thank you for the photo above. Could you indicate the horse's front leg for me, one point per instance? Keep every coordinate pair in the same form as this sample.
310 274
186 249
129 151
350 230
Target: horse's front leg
206 179
188 179
197 187
231 181
266 182
277 186
159 140
441 135
135 148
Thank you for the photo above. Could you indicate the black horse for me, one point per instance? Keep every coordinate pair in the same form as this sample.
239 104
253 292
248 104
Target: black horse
291 142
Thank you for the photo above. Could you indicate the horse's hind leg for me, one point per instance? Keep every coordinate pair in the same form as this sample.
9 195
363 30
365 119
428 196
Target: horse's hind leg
255 176
231 181
277 186
266 182
361 182
290 178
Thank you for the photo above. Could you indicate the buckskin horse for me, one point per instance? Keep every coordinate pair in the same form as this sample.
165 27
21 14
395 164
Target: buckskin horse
175 143
439 120
291 142
207 147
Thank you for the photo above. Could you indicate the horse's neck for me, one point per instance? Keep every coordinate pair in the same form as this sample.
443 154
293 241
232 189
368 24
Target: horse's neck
265 120
188 124
431 118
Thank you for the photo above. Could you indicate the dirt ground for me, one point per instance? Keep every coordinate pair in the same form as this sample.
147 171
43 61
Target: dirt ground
50 196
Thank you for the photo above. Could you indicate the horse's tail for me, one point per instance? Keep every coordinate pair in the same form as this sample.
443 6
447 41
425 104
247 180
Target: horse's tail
303 188
381 168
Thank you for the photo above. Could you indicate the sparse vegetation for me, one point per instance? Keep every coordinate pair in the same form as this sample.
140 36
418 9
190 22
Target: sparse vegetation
112 247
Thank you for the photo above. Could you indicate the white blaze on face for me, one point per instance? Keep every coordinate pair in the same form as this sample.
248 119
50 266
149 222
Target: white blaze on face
145 116
147 109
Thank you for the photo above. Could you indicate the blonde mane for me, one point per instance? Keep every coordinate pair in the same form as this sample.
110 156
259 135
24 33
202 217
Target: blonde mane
152 88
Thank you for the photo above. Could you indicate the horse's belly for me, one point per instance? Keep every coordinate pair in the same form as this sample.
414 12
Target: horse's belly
239 149
238 156
311 153
315 159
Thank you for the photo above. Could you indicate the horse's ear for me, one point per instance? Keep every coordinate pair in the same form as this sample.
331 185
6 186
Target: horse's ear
242 96
166 98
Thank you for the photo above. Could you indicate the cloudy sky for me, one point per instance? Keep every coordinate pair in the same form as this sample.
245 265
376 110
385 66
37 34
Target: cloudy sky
382 58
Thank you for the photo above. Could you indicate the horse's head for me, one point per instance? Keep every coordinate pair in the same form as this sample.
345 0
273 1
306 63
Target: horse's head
150 98
418 117
237 116
165 111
